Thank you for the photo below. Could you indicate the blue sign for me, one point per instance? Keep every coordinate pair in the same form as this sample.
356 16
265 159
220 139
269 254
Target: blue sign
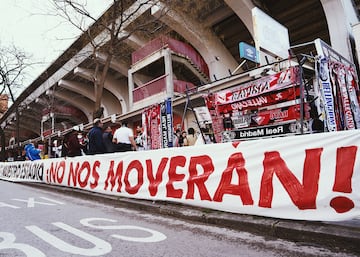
248 52
167 130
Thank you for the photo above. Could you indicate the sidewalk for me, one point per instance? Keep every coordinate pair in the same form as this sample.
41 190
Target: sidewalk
340 236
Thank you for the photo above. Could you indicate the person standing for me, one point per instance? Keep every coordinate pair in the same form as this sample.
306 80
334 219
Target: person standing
190 138
179 138
95 136
83 142
108 137
21 156
140 139
124 139
73 145
182 139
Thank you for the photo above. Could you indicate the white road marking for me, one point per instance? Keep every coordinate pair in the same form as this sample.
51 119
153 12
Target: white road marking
52 200
8 205
31 202
9 243
101 247
155 235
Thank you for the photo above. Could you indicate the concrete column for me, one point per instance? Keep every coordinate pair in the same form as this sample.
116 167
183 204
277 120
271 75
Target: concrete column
131 89
356 32
340 15
169 73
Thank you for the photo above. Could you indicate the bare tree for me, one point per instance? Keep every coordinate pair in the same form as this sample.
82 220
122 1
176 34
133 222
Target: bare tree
107 33
13 63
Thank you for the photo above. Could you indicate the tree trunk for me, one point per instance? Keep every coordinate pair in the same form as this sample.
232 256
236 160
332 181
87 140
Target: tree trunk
99 86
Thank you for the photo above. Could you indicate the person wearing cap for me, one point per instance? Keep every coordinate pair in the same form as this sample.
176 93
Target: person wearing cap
124 139
71 142
96 142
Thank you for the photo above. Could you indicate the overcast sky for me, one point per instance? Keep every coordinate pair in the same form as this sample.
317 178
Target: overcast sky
31 26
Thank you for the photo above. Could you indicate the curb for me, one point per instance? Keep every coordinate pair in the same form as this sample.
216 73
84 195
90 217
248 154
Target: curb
333 236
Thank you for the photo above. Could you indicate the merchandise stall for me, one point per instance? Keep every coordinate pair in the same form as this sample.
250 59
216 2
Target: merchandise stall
299 99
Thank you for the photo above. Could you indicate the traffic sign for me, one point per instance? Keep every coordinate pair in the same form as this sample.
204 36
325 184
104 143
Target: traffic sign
248 52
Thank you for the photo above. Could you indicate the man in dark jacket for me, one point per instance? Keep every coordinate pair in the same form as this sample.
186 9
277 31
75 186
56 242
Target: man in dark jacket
108 137
96 142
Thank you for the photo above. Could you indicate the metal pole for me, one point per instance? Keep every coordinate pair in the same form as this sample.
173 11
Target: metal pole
2 154
300 61
17 127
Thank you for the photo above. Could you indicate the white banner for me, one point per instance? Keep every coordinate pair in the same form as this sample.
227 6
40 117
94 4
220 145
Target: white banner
308 177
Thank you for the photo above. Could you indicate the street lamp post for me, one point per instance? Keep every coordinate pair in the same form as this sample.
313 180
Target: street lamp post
44 119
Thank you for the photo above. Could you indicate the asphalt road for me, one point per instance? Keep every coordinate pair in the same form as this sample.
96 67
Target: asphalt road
36 222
